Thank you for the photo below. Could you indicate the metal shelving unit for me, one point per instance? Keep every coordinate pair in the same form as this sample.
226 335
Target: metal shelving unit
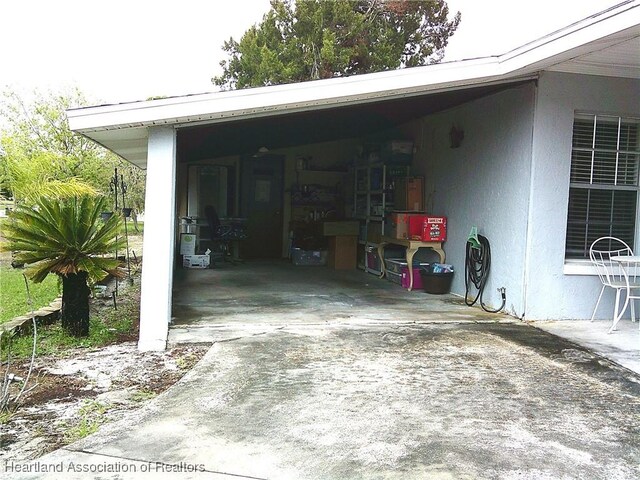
372 201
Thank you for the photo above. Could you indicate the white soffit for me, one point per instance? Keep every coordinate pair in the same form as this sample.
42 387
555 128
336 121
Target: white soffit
620 60
129 143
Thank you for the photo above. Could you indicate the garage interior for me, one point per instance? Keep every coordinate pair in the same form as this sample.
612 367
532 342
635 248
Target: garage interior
313 188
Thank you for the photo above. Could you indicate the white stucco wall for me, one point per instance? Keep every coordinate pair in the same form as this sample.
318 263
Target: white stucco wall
550 293
483 183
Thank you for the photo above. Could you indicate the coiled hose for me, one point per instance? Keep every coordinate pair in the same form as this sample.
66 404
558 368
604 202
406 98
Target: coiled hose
477 265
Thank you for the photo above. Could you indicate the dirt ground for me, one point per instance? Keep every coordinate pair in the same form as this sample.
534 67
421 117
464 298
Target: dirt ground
76 394
69 396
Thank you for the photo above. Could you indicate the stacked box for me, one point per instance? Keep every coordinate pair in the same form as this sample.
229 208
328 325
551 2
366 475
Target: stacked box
399 152
340 228
409 194
405 225
187 244
196 261
342 252
374 232
399 225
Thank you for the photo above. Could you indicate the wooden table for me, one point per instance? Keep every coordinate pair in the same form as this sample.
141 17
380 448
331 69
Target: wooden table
412 247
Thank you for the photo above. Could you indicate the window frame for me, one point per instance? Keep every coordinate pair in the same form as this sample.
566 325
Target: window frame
582 266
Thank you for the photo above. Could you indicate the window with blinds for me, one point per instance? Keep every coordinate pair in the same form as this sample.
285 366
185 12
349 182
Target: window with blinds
603 191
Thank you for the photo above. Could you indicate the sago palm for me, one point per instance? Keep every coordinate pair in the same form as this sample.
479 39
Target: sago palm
66 236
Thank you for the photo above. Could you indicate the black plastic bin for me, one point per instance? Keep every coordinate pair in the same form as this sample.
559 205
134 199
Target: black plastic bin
437 283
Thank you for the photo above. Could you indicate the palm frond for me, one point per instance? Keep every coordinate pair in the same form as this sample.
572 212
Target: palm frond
64 236
59 189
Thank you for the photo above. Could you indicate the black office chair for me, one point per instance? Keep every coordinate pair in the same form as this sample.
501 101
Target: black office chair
221 236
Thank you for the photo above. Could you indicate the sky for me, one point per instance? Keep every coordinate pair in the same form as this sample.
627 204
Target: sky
125 50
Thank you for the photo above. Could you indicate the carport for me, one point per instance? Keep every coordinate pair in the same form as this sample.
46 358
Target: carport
511 170
335 115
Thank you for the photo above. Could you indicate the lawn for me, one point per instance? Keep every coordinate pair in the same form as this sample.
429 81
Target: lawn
13 294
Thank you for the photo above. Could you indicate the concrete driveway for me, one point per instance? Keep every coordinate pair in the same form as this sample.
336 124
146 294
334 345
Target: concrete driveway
349 399
433 401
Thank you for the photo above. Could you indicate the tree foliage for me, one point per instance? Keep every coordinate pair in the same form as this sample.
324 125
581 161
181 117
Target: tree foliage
38 152
314 39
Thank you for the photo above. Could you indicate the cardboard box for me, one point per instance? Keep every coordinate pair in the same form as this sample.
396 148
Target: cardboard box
399 225
406 225
374 232
343 252
347 227
398 152
187 244
196 261
434 229
409 194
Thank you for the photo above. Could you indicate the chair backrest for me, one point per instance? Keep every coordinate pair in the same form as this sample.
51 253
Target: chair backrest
610 272
213 220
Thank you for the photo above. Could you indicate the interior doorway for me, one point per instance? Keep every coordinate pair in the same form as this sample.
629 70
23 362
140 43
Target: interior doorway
261 204
210 185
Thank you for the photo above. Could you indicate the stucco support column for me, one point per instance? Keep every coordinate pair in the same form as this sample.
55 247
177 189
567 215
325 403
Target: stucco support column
159 239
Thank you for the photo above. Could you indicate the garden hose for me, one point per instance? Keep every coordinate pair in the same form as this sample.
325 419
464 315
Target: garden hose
477 266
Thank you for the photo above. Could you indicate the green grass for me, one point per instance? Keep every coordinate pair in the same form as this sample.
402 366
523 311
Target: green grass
143 395
131 231
104 328
13 293
89 418
53 340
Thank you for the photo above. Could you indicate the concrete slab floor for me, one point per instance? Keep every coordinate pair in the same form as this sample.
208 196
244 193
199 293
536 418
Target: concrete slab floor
278 293
210 305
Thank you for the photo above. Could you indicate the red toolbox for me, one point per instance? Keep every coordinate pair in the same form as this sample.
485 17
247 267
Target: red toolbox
434 229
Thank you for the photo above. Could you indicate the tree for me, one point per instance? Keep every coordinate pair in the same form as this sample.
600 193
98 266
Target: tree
38 149
313 39
66 236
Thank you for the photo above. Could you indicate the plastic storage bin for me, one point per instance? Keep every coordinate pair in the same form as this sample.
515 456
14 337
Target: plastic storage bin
436 283
308 257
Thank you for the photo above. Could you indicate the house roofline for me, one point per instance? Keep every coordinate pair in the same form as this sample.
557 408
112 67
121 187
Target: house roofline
570 50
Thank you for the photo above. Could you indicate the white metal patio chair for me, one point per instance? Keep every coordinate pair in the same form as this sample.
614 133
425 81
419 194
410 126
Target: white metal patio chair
619 275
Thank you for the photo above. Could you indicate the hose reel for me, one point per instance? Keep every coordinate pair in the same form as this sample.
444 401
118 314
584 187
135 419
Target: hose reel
477 266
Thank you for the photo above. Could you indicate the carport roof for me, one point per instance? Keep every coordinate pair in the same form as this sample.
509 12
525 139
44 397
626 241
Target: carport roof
606 43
